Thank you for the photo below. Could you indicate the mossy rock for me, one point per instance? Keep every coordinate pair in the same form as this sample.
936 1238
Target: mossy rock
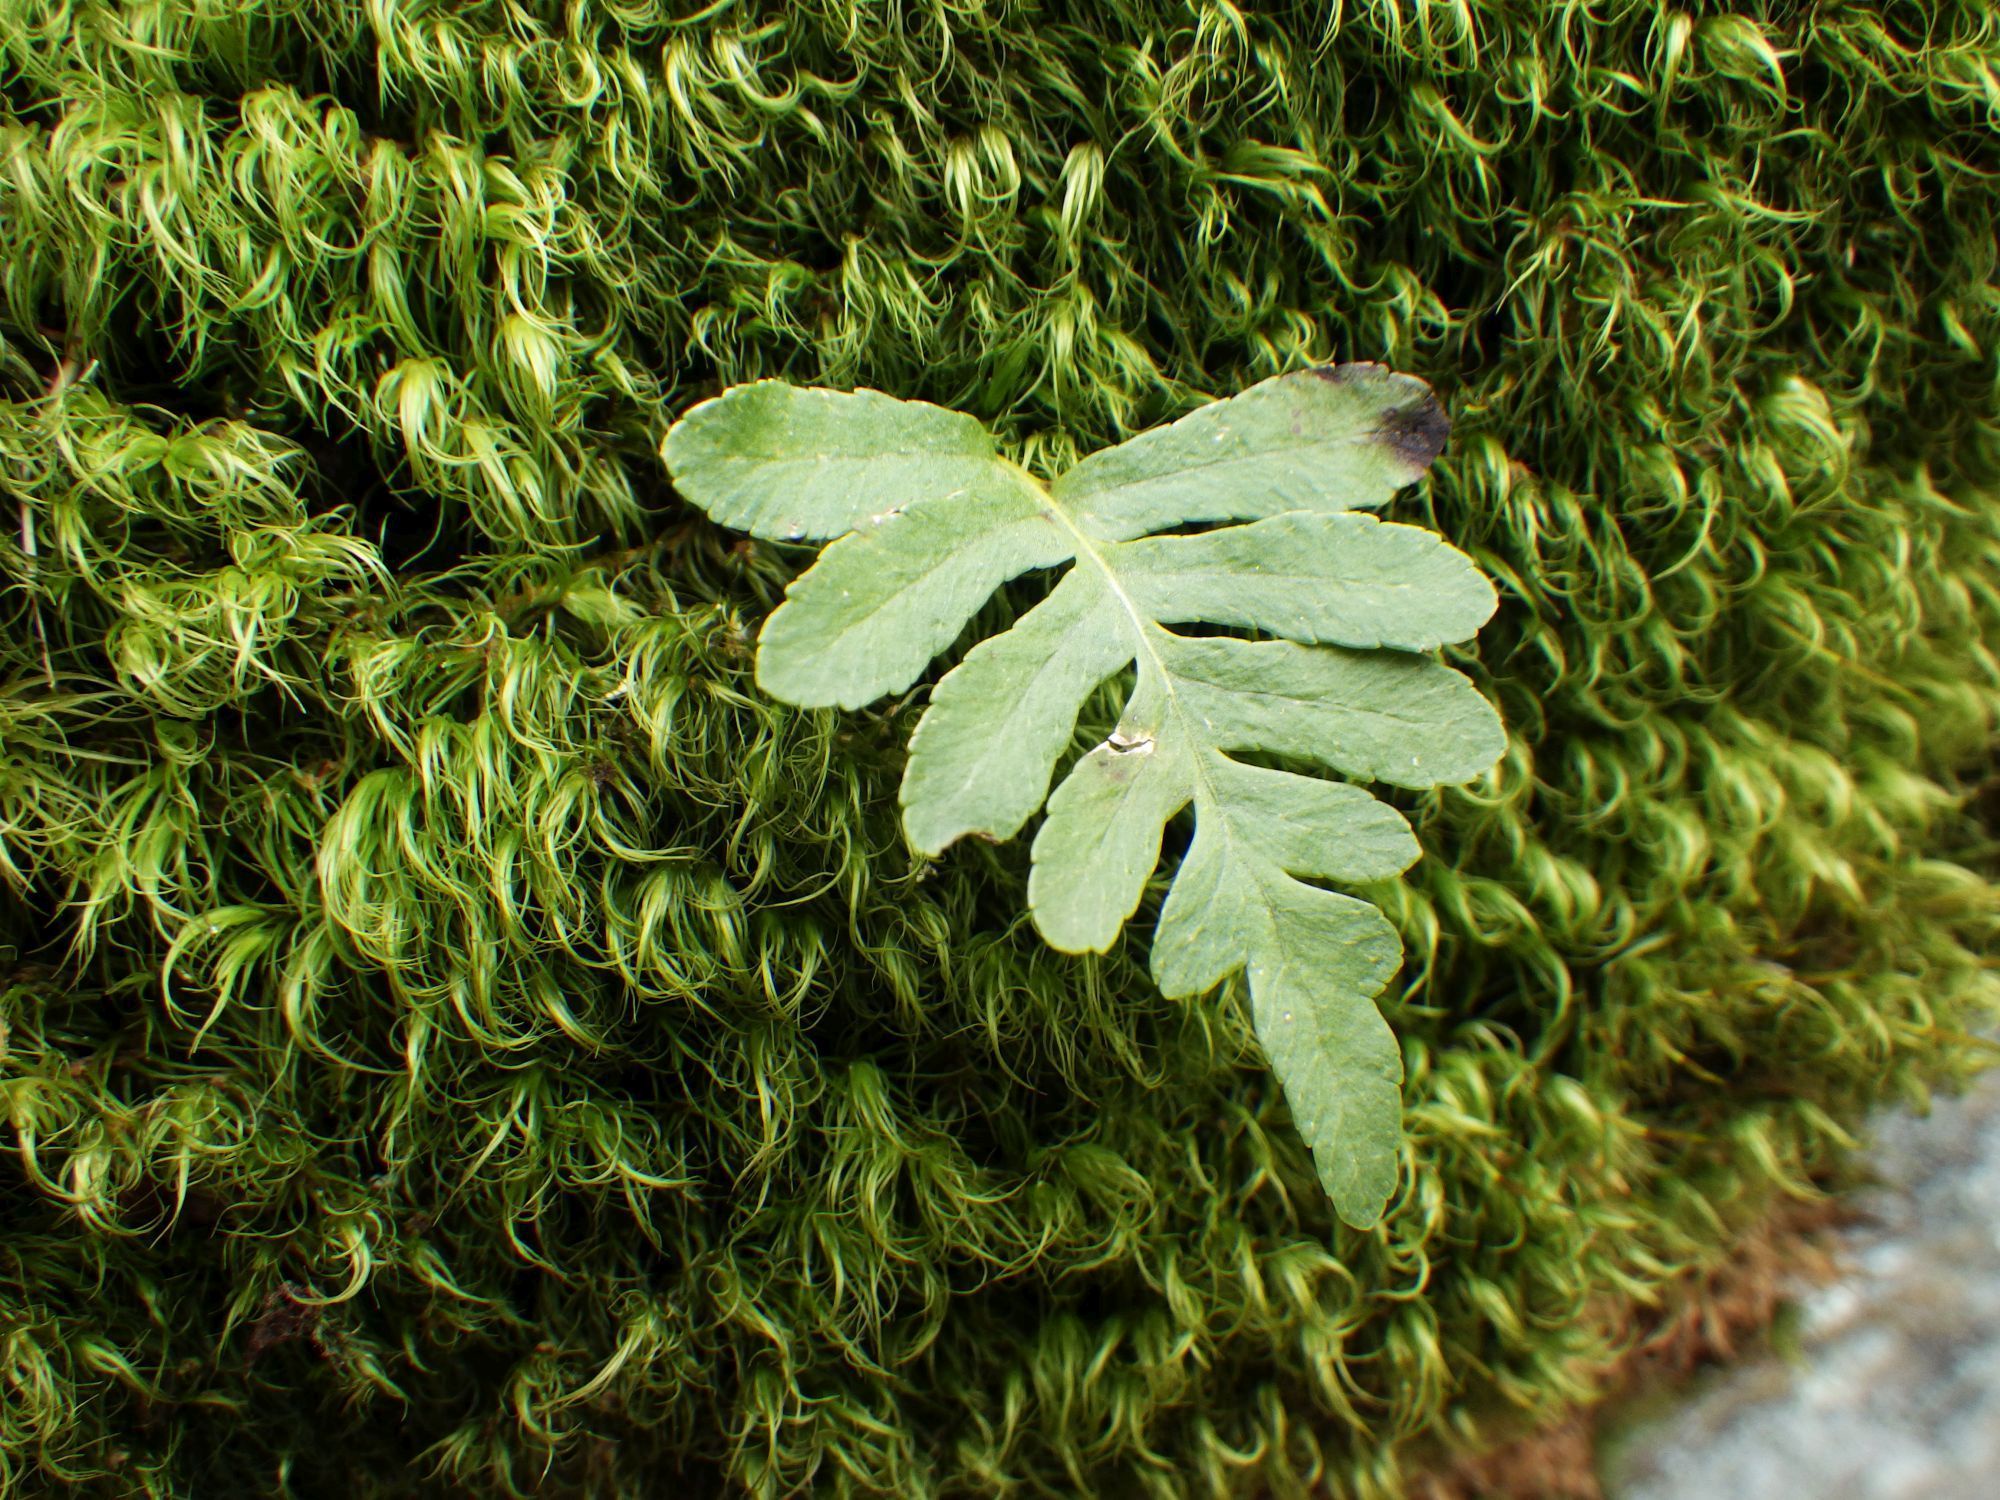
455 1027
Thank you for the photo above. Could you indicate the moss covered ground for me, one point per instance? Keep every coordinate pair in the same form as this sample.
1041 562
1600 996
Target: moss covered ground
460 1039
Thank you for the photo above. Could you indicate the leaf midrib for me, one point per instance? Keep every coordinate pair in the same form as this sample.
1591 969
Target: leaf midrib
1205 797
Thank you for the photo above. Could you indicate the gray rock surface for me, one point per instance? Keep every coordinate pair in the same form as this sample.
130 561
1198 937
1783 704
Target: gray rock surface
1892 1387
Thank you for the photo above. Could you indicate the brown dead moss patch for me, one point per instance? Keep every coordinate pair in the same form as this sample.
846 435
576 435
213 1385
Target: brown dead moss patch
1712 1318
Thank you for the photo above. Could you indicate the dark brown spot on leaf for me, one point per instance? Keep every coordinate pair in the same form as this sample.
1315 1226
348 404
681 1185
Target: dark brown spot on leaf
1417 431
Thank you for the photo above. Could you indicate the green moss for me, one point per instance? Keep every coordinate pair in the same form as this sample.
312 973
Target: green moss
455 1026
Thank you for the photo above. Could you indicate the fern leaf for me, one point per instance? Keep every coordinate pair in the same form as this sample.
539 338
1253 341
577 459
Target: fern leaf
931 520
